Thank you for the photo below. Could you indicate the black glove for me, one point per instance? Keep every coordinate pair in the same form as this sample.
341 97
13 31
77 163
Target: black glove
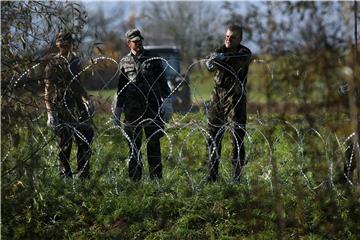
217 57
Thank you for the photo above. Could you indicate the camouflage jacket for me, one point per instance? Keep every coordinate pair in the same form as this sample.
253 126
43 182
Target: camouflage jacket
231 72
142 83
65 89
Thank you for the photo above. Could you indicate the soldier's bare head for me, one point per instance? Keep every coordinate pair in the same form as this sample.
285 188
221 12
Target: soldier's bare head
134 41
233 36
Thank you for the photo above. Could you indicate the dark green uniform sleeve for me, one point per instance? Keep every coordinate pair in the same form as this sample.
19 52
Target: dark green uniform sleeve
122 87
81 94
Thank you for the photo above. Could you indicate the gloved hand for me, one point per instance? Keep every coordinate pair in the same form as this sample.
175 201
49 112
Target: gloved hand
89 105
53 120
166 109
117 115
219 57
343 90
209 64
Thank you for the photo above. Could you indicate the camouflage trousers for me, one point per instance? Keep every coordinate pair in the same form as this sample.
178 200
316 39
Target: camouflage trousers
226 112
153 129
83 134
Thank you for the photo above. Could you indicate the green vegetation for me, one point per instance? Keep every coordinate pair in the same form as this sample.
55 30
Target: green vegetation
201 84
106 93
36 204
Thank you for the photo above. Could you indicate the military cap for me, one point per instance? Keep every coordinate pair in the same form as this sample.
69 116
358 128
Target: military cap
134 35
64 37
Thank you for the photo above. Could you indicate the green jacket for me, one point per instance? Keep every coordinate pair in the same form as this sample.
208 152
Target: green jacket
66 90
231 68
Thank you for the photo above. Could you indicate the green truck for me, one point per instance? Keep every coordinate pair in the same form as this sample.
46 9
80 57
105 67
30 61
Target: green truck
179 83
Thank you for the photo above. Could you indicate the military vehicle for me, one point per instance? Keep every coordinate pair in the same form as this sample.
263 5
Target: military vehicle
178 83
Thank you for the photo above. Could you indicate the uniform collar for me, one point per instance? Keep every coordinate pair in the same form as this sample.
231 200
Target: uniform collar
138 56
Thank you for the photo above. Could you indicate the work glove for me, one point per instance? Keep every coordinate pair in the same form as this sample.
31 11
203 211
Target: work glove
166 109
343 89
219 57
89 105
52 120
209 64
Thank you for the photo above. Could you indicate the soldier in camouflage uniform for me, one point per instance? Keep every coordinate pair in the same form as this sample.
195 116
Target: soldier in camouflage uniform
227 109
68 107
143 96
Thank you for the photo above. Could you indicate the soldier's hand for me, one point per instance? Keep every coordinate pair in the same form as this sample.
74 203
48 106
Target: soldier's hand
221 57
167 109
117 115
89 104
209 65
217 57
343 89
52 120
209 62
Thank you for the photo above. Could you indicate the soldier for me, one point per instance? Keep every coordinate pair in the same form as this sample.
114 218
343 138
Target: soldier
228 106
143 96
68 107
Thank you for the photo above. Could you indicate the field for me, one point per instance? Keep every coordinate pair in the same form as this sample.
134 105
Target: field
289 188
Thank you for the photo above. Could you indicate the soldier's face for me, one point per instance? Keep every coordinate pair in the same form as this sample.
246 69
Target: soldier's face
135 46
232 39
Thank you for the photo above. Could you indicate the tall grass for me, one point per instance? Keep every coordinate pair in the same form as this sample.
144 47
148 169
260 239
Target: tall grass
183 205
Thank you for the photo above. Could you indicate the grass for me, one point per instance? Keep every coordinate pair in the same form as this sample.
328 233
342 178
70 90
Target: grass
201 85
36 204
105 94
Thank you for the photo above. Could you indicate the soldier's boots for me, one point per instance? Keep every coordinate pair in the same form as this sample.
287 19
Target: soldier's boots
135 171
214 169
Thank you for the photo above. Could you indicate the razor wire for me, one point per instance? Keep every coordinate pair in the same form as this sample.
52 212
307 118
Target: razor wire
256 140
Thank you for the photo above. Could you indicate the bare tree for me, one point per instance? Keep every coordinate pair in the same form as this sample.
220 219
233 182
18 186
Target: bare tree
106 29
195 27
